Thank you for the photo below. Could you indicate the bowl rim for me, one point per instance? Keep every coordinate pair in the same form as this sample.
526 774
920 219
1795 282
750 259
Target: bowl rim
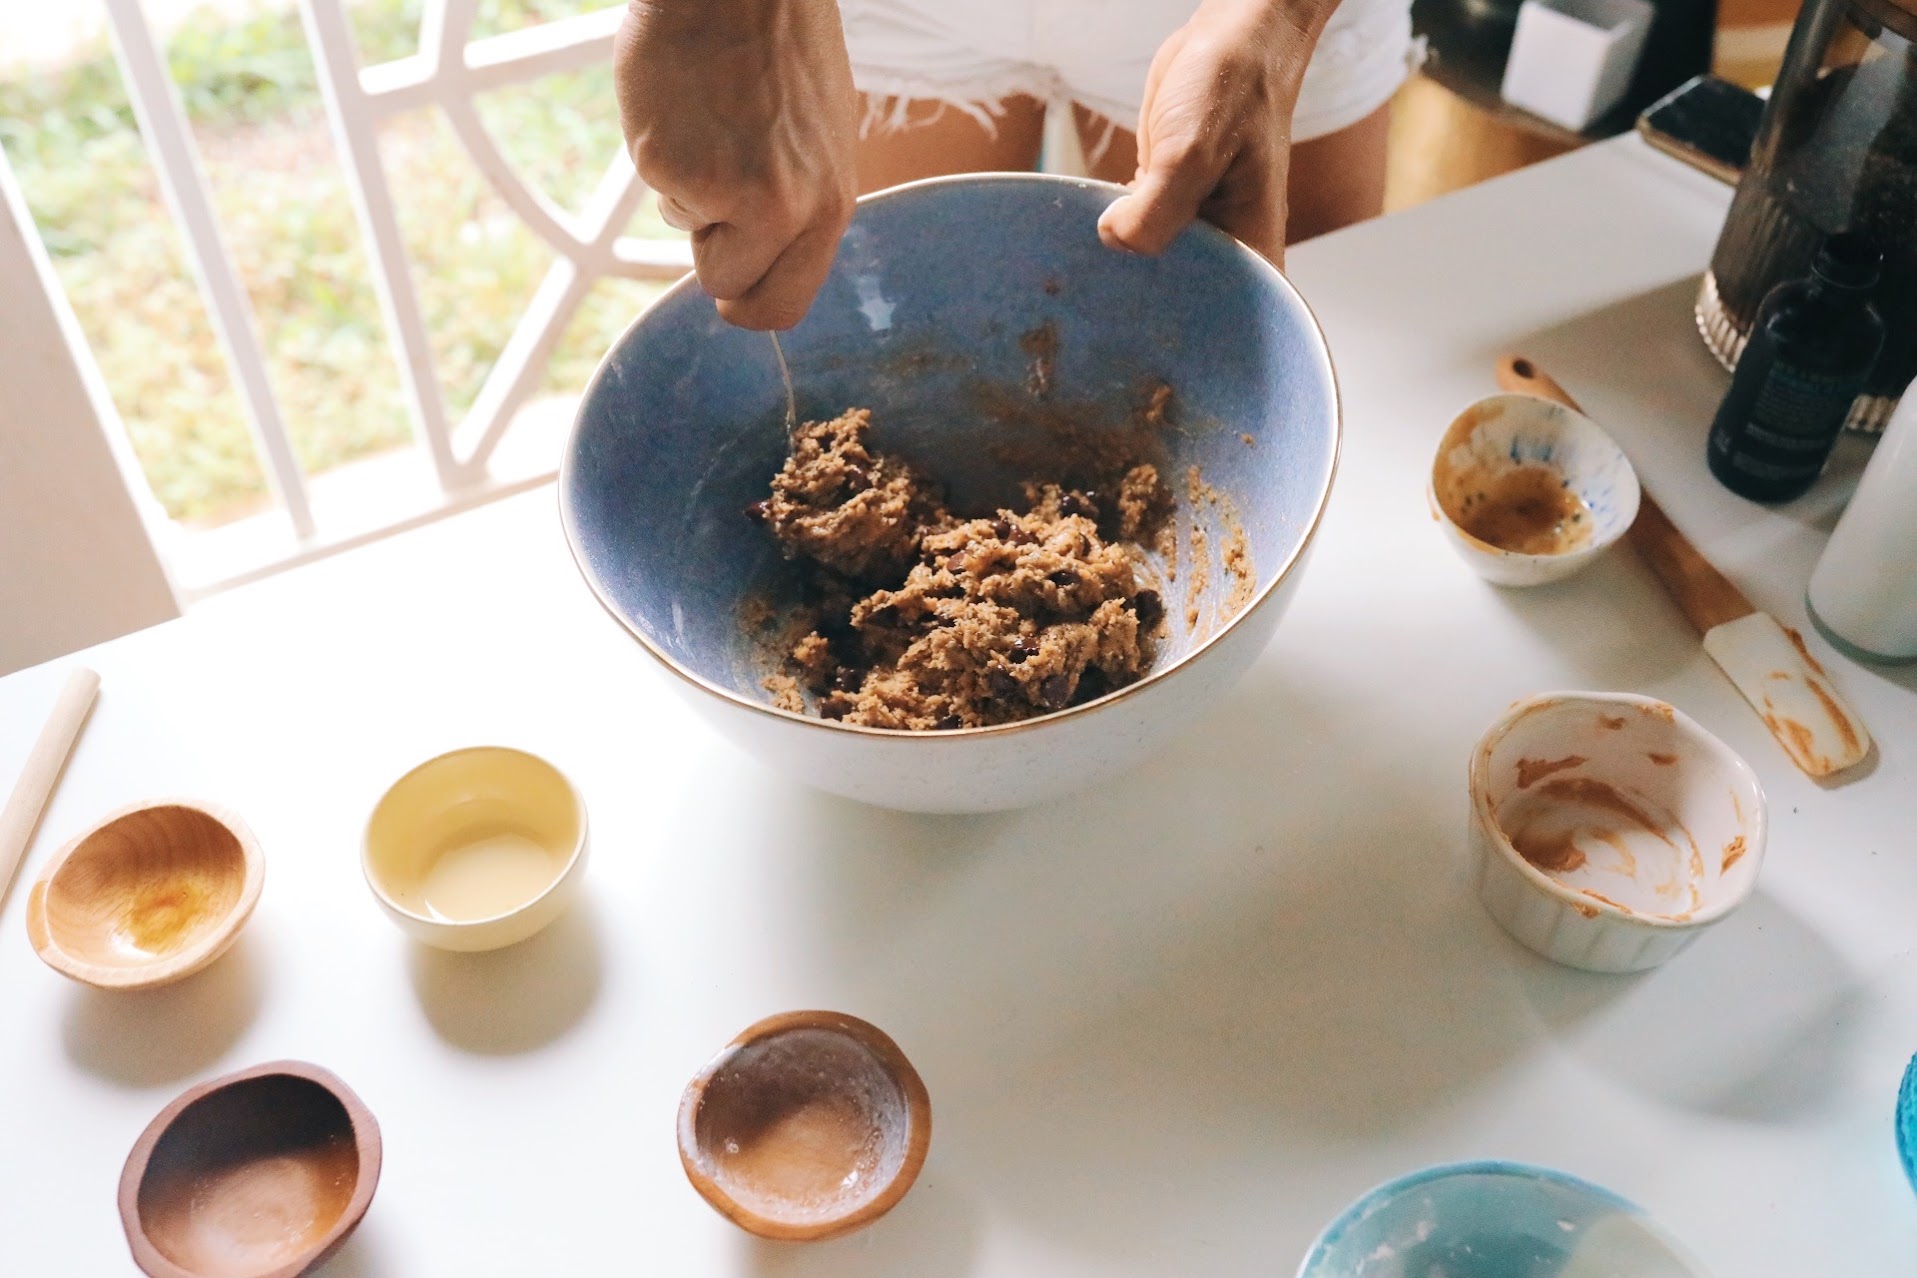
1740 772
890 1057
1580 420
559 877
1906 1122
162 969
689 282
367 1143
1371 1199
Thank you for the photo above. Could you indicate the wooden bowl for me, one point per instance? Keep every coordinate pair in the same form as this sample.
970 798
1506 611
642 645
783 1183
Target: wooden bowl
261 1174
151 894
808 1125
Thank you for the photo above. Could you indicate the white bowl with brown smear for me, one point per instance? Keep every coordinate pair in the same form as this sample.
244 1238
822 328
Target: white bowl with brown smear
1610 829
1529 491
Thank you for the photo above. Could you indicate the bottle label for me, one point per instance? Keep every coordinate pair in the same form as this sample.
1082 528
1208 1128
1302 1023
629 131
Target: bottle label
1790 426
1797 409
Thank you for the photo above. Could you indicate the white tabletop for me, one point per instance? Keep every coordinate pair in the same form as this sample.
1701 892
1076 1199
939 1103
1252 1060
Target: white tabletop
1168 1030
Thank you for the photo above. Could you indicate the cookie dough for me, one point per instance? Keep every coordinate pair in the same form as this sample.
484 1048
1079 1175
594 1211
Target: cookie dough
923 620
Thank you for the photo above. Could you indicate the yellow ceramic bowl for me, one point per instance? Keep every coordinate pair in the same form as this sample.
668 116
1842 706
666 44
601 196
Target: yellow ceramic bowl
476 849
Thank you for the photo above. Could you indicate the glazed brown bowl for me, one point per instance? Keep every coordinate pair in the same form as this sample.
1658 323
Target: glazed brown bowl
806 1126
260 1174
150 895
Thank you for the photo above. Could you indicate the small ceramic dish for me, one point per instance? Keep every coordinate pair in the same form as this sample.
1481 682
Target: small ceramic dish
150 895
1495 1220
260 1174
1610 829
808 1125
1529 491
477 849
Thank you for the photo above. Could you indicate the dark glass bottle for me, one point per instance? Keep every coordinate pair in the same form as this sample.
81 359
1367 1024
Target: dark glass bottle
1811 351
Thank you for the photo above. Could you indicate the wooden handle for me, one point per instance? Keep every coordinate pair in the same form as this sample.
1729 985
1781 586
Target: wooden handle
1705 595
44 761
1516 373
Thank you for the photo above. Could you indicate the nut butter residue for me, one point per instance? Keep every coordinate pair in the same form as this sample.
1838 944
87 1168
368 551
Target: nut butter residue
1592 793
1528 509
1586 827
1733 853
1041 344
1619 906
161 917
1661 760
1532 771
1554 852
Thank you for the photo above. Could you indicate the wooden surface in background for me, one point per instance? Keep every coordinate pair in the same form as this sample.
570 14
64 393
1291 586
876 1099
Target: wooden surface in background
1440 143
1751 35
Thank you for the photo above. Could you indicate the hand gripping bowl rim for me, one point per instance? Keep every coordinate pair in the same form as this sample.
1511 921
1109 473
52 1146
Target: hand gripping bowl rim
689 282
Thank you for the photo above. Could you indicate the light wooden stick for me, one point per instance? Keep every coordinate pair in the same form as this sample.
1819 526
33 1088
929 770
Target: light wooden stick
37 779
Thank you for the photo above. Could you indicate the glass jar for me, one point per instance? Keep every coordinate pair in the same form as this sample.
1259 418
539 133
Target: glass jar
1836 152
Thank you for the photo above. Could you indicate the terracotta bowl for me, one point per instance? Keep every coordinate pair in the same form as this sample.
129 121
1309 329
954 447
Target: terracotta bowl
808 1125
261 1174
153 893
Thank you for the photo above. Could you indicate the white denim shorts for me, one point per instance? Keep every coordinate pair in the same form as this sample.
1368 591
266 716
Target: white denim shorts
973 54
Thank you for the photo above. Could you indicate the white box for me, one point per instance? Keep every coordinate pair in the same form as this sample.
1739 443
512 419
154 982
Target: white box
1572 60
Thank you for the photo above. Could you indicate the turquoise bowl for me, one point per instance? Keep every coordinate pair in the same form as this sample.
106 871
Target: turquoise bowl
971 315
1907 1122
1495 1220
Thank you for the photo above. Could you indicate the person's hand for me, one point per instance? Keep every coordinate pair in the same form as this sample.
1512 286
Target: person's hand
1214 134
742 116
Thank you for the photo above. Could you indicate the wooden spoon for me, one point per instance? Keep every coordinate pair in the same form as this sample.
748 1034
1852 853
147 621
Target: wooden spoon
42 771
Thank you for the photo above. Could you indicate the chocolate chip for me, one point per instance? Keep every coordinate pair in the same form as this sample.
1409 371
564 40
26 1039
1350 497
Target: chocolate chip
1000 684
1064 579
857 478
759 511
1002 530
834 708
1023 647
950 722
1078 504
1055 691
1149 608
846 679
884 615
1093 684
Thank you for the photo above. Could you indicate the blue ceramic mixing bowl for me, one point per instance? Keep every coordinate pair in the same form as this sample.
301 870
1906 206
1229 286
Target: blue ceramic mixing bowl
982 321
1494 1220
